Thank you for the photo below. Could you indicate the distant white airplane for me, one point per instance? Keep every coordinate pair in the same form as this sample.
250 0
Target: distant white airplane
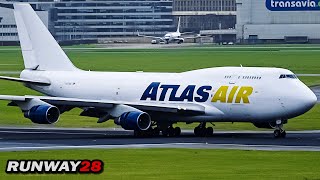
151 102
170 36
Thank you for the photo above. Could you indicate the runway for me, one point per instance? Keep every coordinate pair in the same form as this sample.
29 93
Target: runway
26 139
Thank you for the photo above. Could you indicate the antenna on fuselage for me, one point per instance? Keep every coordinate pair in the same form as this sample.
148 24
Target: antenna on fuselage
241 65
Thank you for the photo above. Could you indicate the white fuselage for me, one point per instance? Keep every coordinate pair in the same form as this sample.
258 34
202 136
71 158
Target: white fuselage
172 36
272 98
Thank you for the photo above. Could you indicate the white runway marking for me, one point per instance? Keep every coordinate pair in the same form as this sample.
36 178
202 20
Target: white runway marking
169 145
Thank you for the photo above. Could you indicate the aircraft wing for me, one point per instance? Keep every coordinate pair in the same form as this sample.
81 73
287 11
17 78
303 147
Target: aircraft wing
154 37
192 37
187 33
186 108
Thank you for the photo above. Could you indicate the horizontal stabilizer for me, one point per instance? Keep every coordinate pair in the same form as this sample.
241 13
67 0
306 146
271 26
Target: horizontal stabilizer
29 81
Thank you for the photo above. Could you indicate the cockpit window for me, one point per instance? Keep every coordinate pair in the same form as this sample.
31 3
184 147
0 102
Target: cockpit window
288 76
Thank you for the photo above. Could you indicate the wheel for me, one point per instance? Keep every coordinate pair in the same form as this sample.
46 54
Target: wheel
277 133
156 131
171 131
283 134
177 131
209 131
165 132
197 131
203 132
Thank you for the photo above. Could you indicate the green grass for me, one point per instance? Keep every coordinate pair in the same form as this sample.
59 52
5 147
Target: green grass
181 164
300 59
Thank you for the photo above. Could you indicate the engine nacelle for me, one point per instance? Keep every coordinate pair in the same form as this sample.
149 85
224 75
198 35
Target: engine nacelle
43 114
134 120
181 40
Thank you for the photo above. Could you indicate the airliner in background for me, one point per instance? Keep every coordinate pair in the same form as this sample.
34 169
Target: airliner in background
170 36
151 103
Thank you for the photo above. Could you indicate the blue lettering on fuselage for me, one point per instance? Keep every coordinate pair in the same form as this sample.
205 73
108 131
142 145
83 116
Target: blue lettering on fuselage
188 94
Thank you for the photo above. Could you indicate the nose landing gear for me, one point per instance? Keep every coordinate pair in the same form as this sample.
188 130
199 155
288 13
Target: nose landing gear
279 132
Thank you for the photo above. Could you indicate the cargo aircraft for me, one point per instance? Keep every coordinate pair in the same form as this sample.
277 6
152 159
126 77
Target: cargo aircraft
170 36
151 103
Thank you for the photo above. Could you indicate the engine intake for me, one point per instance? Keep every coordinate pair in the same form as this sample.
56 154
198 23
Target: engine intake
134 121
43 114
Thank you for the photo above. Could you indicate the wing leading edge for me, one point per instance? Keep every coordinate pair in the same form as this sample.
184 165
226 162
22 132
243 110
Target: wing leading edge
186 108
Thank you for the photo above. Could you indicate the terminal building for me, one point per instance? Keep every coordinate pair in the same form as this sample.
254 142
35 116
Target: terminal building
242 21
216 18
262 22
91 20
8 28
106 19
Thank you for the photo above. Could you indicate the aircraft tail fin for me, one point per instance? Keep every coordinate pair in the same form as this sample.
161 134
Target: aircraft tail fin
178 28
39 49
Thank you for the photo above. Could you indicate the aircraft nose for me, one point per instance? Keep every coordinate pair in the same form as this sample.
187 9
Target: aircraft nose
310 99
302 100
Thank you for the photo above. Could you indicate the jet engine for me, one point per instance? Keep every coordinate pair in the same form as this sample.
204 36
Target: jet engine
181 40
43 114
134 120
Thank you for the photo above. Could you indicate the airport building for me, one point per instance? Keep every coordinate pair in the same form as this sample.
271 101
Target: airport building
8 28
216 18
244 21
275 21
89 20
108 19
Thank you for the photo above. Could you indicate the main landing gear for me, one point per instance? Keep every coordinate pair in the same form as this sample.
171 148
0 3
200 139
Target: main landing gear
167 130
171 132
151 132
279 132
202 130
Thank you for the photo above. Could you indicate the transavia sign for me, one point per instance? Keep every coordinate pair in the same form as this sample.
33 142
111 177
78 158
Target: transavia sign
293 5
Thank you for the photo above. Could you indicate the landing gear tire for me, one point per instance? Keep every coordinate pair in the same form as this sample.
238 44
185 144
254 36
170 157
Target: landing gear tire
177 131
171 131
165 132
197 131
279 133
209 131
156 131
202 131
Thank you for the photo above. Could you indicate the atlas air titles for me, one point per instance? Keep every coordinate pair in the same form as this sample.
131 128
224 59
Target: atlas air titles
191 93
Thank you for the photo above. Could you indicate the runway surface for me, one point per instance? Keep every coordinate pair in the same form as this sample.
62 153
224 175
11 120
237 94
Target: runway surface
26 139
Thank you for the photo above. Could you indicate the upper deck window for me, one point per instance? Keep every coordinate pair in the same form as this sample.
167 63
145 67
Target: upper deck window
288 76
